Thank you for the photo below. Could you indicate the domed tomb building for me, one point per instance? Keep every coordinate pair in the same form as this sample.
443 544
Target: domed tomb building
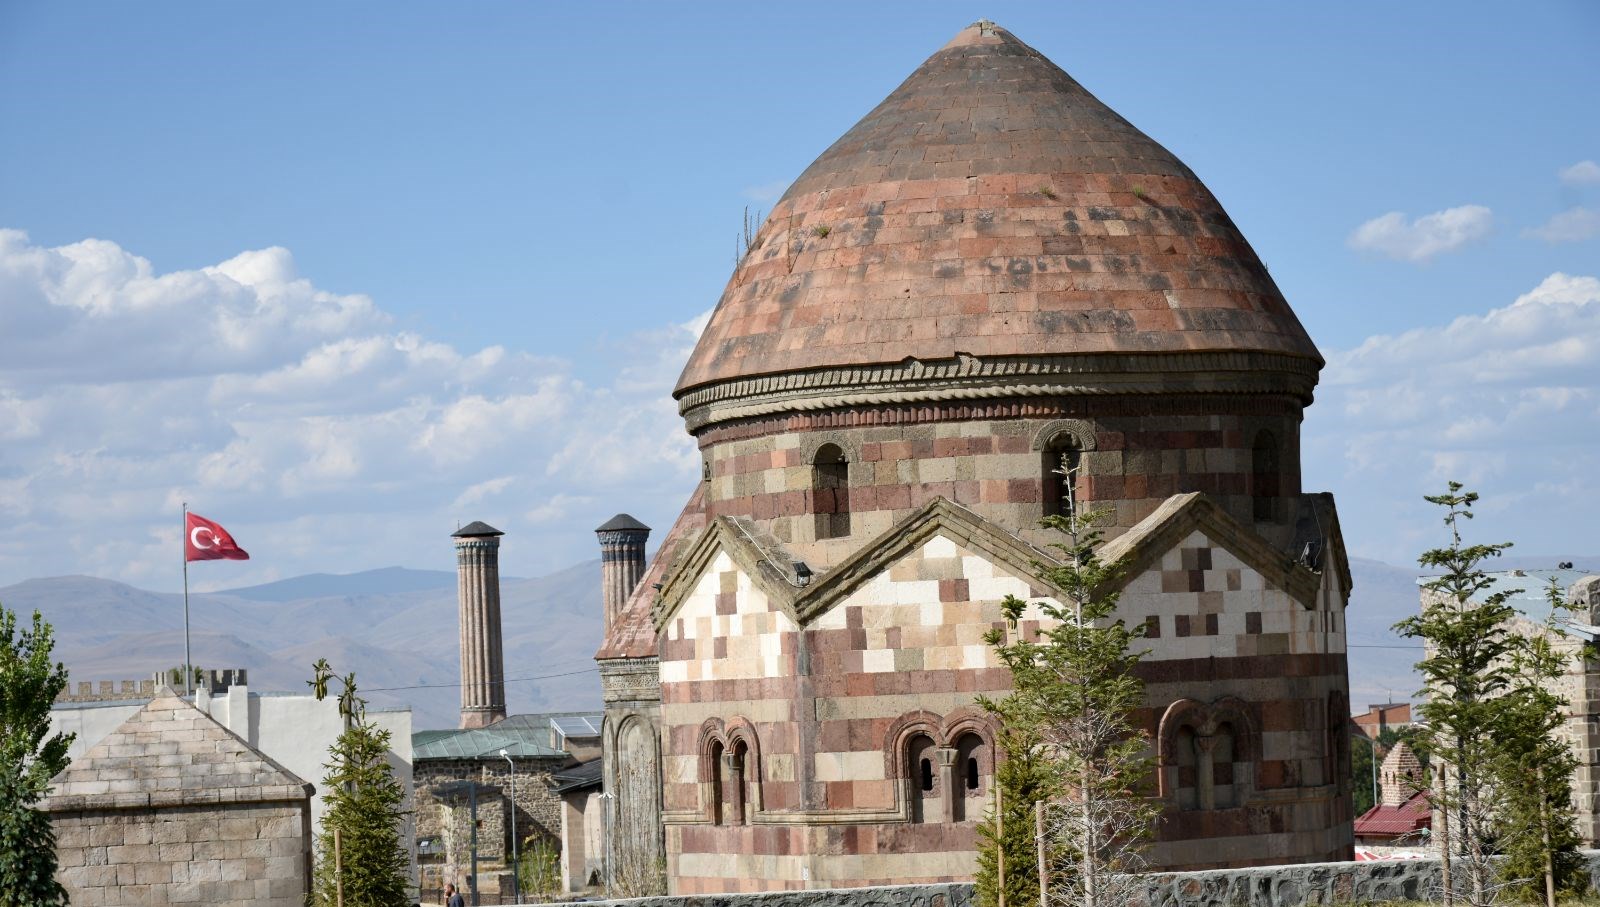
990 279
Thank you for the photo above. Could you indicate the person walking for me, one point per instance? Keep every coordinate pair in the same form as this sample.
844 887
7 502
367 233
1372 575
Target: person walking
452 897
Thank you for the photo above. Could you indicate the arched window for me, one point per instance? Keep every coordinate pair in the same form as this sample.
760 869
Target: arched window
1264 480
716 781
1059 468
923 771
973 762
830 493
1188 781
737 800
1224 792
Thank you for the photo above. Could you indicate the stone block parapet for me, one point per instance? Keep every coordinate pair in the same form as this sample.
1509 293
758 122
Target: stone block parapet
109 690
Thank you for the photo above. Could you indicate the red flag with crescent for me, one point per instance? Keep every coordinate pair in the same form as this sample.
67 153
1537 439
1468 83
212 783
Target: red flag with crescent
208 541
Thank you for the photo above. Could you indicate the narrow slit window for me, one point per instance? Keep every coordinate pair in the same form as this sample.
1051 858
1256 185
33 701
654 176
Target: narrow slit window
830 492
927 774
972 773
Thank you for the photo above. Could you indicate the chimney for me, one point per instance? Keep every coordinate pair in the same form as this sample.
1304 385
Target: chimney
622 541
483 673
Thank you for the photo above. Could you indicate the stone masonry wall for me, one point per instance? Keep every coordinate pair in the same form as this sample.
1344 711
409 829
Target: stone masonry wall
538 810
1300 885
222 854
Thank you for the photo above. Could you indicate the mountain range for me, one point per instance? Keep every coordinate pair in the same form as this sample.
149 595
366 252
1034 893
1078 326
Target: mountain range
396 629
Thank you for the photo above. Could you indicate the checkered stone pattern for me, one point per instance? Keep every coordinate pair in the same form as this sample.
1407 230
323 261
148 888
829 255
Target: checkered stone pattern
1217 630
908 640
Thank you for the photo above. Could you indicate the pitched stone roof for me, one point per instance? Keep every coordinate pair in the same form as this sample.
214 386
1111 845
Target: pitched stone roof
170 753
992 207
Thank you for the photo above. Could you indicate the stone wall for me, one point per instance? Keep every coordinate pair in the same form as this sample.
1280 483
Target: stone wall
1301 885
538 810
232 854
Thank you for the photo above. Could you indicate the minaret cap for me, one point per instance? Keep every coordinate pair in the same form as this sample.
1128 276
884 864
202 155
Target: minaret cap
623 523
475 529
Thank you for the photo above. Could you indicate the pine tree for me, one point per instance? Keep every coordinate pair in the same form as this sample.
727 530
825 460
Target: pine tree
1069 726
29 757
365 806
1534 767
1467 668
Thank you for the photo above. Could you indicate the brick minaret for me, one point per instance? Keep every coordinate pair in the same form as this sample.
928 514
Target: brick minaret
483 673
622 541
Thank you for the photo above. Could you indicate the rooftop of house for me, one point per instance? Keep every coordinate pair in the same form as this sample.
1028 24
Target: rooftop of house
537 736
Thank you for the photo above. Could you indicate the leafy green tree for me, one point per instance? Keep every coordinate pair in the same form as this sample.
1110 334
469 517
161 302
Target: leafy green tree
29 757
365 806
1025 777
539 871
1069 723
1362 754
1534 769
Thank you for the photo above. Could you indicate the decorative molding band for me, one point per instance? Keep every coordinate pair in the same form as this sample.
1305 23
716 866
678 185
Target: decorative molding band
965 377
1109 406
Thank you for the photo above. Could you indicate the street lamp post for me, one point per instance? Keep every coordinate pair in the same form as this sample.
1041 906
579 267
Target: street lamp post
1373 744
516 851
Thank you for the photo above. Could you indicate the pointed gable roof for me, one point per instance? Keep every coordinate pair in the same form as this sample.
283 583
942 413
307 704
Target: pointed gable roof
773 568
170 753
1142 546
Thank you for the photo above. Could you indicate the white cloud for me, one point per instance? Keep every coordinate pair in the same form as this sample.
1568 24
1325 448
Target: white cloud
1580 174
1572 225
1507 401
1420 240
320 437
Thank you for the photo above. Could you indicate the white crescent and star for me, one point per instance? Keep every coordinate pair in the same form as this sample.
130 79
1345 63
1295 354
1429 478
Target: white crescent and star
194 537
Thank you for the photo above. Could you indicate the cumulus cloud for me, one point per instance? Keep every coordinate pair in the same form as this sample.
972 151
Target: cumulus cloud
1583 173
1573 225
1420 240
1507 400
321 437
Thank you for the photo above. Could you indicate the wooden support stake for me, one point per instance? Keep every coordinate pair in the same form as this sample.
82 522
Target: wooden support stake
338 869
1038 831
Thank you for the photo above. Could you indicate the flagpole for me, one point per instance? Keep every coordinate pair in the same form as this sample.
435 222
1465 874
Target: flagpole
188 672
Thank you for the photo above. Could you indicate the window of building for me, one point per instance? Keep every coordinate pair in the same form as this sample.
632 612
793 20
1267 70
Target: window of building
972 760
1060 468
716 782
831 492
738 784
923 772
1264 480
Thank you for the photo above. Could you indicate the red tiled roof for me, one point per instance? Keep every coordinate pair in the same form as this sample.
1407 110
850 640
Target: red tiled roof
1394 821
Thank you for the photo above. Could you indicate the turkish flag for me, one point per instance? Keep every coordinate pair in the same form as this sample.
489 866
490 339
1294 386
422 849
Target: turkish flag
207 541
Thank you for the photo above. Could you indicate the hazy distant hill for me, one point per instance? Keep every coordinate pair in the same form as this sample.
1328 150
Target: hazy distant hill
396 628
393 627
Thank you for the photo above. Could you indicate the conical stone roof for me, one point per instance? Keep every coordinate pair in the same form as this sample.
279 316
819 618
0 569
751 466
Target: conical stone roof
170 753
990 208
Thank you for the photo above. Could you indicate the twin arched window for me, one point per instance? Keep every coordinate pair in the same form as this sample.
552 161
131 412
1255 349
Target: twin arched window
731 778
949 783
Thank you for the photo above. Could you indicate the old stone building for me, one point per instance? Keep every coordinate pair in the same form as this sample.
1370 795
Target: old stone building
989 281
171 808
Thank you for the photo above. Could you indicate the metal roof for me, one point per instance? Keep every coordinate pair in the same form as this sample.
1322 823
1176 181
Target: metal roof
622 521
576 725
521 736
580 776
475 529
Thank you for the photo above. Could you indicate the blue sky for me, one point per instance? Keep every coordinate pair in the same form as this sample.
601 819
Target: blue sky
493 226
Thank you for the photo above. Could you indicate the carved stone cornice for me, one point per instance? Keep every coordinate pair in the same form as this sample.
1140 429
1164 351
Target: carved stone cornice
630 679
965 377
